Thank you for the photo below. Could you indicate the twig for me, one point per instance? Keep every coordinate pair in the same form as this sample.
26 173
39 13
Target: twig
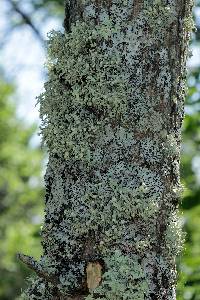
26 18
37 268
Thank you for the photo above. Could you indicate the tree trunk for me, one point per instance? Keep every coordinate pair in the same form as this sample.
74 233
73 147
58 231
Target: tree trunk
111 118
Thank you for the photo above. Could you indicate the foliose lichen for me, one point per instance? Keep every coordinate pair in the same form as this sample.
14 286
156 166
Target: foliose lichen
124 279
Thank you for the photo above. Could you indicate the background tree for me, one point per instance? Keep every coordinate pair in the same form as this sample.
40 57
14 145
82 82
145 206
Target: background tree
32 13
112 113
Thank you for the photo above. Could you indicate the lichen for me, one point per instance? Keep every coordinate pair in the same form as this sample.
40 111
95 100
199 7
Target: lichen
124 279
111 115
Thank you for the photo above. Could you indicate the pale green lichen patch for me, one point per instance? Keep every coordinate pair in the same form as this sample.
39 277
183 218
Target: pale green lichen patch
174 236
124 279
86 85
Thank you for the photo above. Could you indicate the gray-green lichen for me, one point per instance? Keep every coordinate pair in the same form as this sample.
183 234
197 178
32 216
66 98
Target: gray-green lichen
124 279
111 116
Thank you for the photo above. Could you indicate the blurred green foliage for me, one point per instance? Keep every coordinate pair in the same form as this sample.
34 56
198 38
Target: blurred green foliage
21 192
20 195
189 263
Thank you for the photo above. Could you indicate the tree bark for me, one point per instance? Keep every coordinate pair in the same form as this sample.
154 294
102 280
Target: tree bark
111 118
